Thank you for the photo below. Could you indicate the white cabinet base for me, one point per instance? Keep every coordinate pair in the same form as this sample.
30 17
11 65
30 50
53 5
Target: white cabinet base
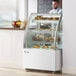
42 59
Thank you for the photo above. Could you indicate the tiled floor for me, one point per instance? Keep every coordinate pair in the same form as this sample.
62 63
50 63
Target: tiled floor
13 72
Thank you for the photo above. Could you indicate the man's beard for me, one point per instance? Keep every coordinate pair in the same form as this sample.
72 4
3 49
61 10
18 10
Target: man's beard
56 8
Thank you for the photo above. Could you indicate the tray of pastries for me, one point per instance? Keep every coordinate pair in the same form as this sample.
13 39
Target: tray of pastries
45 18
49 39
38 37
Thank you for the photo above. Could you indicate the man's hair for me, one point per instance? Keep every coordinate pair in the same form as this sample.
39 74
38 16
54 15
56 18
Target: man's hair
56 1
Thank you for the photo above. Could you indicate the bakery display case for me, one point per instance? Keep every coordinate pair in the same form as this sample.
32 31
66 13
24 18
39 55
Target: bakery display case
43 31
43 42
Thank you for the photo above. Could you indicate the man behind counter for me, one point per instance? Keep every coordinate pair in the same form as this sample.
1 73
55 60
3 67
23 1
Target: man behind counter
56 9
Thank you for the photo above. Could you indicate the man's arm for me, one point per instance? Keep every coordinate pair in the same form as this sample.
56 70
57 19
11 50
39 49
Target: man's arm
60 11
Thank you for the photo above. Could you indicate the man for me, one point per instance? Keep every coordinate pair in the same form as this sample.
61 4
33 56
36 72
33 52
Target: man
56 9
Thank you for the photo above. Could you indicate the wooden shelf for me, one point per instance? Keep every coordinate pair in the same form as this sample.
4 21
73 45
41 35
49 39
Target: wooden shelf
12 28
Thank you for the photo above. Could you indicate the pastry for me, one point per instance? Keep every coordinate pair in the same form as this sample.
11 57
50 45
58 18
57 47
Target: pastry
35 46
38 37
58 39
47 39
55 18
44 46
51 18
51 39
52 47
37 18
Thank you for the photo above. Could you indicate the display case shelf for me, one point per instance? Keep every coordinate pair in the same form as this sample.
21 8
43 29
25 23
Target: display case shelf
45 21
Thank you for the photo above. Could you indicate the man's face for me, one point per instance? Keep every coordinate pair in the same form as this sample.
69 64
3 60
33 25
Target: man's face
55 5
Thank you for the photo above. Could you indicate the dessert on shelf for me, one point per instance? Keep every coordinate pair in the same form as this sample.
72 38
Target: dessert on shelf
46 18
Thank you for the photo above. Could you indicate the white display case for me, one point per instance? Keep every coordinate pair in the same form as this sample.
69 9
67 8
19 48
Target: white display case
43 42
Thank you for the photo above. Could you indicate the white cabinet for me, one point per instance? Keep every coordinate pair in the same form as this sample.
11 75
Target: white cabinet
42 59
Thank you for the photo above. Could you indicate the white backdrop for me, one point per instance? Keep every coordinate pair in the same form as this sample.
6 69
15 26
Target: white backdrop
69 36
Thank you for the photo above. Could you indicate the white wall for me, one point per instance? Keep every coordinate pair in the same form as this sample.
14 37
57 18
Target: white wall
32 7
23 10
26 7
69 36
